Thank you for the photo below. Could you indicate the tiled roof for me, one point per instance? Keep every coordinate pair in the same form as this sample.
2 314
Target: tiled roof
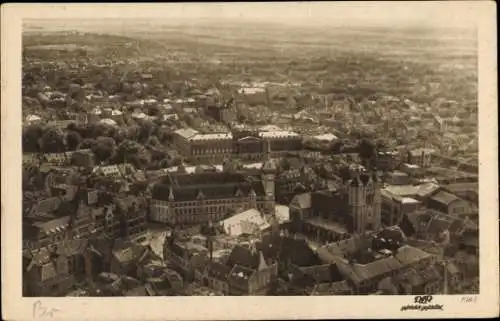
187 187
421 190
55 225
376 268
186 132
48 205
445 198
408 255
437 225
350 245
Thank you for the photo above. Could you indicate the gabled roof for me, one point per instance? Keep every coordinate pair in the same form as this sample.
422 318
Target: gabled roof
445 198
297 251
48 205
214 185
236 224
407 255
127 253
53 226
302 201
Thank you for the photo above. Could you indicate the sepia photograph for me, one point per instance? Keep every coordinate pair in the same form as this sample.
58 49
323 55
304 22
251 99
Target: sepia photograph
315 150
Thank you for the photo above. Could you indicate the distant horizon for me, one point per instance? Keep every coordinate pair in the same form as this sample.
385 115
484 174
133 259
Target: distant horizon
454 15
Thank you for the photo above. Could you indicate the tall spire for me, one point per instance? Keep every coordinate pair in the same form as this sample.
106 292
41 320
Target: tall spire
171 194
268 164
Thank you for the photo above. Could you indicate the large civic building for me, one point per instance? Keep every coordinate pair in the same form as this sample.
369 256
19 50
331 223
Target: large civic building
187 199
245 144
203 147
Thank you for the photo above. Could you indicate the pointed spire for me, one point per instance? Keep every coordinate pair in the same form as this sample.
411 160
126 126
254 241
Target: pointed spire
262 261
268 162
268 151
171 194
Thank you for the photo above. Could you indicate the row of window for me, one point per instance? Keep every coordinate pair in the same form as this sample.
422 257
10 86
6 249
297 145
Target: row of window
139 230
160 203
190 219
202 210
211 151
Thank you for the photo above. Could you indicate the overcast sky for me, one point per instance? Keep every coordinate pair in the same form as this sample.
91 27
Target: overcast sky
435 14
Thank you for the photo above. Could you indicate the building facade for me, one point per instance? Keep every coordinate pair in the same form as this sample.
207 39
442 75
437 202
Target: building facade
189 199
203 147
353 208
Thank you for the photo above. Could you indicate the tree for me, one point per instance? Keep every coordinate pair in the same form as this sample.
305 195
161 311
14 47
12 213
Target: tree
147 128
86 143
30 137
53 140
97 130
73 139
134 153
104 148
284 164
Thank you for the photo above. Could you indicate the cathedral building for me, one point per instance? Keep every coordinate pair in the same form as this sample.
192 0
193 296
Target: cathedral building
332 215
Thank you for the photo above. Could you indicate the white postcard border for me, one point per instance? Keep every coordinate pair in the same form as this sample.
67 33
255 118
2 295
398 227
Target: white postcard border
242 308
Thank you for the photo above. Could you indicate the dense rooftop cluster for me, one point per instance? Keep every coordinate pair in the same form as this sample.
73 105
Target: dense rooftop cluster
148 172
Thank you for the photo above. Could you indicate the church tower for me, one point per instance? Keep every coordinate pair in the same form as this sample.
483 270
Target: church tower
171 209
357 204
269 168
